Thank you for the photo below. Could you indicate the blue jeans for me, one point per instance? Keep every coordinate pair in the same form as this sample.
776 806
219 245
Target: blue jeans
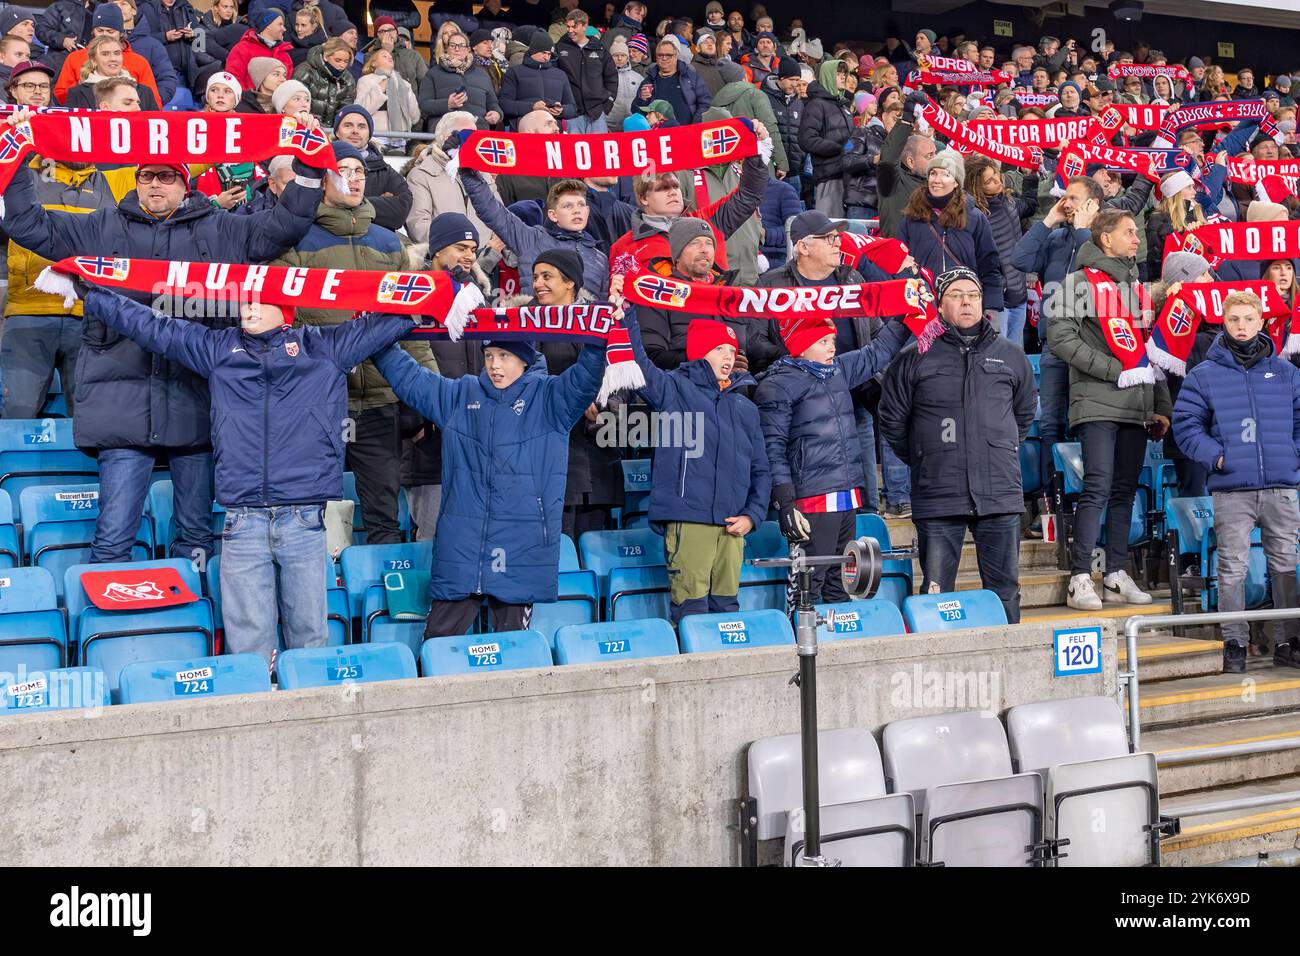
1054 403
32 348
1011 323
273 570
997 550
867 439
898 477
585 124
124 485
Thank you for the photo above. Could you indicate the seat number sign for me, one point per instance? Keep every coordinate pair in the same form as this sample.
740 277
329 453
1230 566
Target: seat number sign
1077 651
733 632
950 611
484 655
198 680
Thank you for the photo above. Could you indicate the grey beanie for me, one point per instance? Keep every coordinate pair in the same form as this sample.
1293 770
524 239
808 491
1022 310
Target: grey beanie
950 160
1183 267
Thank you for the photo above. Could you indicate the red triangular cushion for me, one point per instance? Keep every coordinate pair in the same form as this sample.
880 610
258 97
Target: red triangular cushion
134 589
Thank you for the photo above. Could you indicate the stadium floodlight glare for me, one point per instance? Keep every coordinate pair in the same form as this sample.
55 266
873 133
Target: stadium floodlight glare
1130 10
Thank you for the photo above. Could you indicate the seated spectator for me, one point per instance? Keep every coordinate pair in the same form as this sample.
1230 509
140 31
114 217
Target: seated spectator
21 25
265 38
861 159
901 168
536 84
104 62
29 84
308 33
327 77
1177 214
293 99
267 73
222 94
387 96
115 59
13 50
138 38
943 229
1238 416
957 415
385 189
455 83
433 192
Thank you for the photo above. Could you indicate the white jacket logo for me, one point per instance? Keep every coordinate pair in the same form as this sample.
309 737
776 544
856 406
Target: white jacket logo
518 406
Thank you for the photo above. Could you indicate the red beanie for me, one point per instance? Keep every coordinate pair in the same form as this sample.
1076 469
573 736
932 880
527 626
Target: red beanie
705 335
803 333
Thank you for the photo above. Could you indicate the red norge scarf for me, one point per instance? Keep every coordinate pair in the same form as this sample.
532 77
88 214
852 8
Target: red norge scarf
183 138
966 140
1250 240
456 310
608 154
1249 170
1122 333
1212 114
1196 302
1043 133
1147 72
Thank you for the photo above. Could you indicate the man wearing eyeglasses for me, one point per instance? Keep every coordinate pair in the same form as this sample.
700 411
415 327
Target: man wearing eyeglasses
135 409
956 414
345 236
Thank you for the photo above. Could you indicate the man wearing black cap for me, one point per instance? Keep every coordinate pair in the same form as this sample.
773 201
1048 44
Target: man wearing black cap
344 236
764 61
536 83
480 45
957 414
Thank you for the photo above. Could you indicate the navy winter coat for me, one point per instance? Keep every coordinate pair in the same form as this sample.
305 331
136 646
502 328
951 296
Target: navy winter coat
529 82
128 397
150 47
505 460
780 204
694 93
957 416
279 398
1249 416
972 247
808 425
725 474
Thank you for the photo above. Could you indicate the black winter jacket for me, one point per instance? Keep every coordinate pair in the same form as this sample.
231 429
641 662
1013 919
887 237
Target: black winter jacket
788 111
592 75
860 164
824 128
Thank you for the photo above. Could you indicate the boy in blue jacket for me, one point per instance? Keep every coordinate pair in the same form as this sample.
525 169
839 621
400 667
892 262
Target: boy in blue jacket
705 499
1238 416
279 409
505 461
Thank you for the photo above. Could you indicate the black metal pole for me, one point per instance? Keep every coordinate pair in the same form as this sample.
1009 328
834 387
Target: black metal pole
805 621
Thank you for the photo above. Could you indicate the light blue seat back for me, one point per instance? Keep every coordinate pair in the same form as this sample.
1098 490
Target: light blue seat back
330 666
729 632
953 612
484 653
614 641
194 679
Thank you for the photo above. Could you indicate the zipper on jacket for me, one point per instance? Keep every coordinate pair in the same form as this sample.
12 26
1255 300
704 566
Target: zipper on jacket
546 534
487 519
266 431
681 485
1254 416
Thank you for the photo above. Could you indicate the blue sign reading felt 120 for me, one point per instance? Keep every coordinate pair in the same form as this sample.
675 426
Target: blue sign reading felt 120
1076 651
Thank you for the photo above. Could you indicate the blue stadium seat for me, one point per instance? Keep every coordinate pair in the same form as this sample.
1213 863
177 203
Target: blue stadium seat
636 593
1068 459
1190 531
329 666
364 565
1158 475
874 618
40 451
160 510
377 627
578 603
602 551
194 678
62 688
1031 466
33 633
953 612
614 641
358 519
9 550
568 555
484 653
405 523
636 490
110 640
729 632
59 525
762 588
766 541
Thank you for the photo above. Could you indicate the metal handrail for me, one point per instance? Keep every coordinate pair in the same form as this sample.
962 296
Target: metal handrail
1177 758
1148 622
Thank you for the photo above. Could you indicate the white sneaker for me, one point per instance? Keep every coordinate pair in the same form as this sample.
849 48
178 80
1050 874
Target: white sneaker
1082 595
1119 588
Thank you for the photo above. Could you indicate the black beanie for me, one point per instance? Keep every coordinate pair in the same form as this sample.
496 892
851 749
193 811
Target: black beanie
568 262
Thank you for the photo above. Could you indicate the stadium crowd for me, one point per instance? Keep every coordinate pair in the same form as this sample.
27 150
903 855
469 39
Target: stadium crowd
500 446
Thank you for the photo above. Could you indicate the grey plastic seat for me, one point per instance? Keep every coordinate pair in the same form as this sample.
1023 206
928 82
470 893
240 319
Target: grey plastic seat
984 822
878 832
925 752
1106 808
1053 732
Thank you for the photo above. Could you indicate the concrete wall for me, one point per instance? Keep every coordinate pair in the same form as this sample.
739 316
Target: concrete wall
634 763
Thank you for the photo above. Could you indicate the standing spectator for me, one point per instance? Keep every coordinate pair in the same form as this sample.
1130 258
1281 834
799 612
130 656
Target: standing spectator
1177 214
267 73
454 83
741 98
780 205
344 236
787 107
638 50
1112 421
386 95
592 75
957 415
629 23
1245 88
861 200
108 24
943 228
628 81
763 62
900 170
327 76
433 192
536 83
706 60
480 44
385 190
1004 212
265 38
676 84
824 129
1238 416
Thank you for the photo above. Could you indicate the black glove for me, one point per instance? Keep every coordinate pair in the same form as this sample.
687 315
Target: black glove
81 286
794 525
914 99
306 172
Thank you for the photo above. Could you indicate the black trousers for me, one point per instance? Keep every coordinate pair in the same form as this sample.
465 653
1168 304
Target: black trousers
374 456
451 618
829 533
1113 453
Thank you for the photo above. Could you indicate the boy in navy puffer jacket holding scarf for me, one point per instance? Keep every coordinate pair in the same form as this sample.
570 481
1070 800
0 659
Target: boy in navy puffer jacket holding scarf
705 499
1238 416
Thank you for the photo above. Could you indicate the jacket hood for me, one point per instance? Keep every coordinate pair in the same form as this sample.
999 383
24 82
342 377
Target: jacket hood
700 372
1121 270
826 74
346 222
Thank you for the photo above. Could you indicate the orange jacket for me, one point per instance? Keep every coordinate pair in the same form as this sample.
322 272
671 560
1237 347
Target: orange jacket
134 64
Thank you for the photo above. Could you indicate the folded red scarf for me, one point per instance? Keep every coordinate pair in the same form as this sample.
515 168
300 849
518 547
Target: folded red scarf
1212 114
1036 99
1151 163
1196 302
932 77
966 140
1146 72
129 138
608 154
1044 133
1251 240
887 255
1121 331
1138 116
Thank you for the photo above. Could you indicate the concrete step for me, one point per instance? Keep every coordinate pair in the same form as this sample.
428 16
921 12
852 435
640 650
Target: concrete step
1216 838
1263 690
1224 771
1034 556
1164 657
1038 587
